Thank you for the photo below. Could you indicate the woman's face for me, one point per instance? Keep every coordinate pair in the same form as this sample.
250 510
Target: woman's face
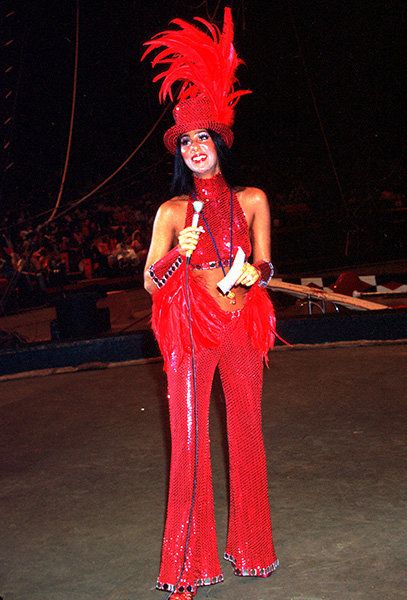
199 153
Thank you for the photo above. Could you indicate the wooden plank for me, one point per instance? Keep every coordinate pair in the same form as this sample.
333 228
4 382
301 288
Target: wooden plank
303 291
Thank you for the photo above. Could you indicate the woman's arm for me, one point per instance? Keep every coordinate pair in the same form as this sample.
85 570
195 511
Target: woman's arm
261 235
260 227
162 241
164 258
257 211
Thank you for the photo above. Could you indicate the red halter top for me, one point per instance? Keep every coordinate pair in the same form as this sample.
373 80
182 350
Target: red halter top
223 214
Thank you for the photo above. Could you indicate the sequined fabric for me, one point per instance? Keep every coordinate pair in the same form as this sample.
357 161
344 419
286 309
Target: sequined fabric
266 270
170 321
249 539
164 268
216 196
235 342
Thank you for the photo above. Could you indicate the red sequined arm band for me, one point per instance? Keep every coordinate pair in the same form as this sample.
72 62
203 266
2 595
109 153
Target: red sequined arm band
162 270
266 270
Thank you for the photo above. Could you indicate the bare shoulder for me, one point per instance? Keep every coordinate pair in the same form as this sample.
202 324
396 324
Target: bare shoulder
173 212
252 197
175 204
253 194
173 208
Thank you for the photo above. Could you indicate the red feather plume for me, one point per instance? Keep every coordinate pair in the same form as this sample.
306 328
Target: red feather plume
205 63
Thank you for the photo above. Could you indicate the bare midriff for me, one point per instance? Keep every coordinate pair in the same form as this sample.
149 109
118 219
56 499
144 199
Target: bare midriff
209 279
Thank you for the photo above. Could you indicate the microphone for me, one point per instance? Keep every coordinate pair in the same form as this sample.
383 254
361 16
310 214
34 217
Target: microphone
198 206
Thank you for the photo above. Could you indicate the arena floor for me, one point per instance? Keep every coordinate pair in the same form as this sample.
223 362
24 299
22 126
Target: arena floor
84 468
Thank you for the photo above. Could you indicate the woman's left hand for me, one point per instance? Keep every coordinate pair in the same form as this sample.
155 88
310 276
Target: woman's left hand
248 276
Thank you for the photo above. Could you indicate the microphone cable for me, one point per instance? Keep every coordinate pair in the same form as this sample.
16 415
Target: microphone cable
196 427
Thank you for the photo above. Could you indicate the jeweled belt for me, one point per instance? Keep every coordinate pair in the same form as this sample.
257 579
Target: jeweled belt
212 264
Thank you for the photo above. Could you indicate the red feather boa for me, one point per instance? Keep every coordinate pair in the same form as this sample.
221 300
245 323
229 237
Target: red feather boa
259 317
170 319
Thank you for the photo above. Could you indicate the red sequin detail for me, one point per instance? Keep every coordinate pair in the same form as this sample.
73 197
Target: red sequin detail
215 194
235 343
249 543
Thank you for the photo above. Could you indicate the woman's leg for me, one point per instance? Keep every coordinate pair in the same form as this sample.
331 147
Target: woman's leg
202 563
249 543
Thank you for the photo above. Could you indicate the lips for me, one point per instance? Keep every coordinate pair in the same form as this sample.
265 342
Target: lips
198 158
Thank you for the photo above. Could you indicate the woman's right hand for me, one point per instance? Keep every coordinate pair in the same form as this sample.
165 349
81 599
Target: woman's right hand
188 239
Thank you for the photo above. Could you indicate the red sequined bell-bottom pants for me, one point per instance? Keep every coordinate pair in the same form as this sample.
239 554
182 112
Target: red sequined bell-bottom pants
249 541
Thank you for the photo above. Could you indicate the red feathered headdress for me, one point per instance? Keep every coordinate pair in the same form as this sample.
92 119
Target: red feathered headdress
206 64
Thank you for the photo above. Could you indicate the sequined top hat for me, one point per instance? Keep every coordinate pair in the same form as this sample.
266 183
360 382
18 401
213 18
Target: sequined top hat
204 63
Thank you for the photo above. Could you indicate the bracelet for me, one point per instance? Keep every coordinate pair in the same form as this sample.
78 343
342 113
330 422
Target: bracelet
266 271
162 270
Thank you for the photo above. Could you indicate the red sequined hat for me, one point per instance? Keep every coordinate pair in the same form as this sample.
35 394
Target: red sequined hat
205 64
195 113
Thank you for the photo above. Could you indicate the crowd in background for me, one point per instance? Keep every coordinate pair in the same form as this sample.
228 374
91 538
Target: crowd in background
101 240
111 238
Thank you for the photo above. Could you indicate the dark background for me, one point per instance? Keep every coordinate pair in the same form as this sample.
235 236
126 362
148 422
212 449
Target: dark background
348 55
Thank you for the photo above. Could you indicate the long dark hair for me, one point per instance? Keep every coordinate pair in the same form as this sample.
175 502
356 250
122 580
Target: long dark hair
182 179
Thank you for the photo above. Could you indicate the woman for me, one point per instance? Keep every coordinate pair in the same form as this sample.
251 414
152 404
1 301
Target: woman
199 328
